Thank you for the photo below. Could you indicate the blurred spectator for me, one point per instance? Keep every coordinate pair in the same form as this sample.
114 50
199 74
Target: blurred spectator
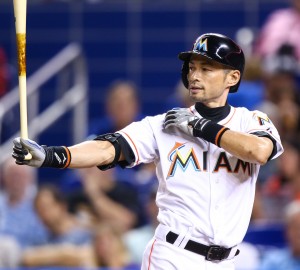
106 250
115 189
63 227
109 248
282 187
122 108
114 201
97 191
81 206
288 258
281 100
251 89
18 218
67 233
137 239
282 91
281 27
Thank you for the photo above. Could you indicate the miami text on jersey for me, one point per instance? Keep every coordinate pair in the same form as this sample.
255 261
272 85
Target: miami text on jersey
178 159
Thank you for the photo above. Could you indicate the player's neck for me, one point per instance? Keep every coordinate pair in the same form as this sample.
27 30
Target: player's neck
215 114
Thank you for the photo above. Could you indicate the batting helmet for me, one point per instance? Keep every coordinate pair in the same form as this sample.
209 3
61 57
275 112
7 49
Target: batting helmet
218 48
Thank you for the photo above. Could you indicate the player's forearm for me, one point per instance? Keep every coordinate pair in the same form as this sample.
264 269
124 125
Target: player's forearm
247 147
91 153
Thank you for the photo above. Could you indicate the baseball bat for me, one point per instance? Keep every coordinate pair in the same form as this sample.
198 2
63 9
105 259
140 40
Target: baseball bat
20 10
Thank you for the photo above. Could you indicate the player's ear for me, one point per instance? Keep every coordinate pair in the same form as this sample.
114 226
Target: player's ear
233 77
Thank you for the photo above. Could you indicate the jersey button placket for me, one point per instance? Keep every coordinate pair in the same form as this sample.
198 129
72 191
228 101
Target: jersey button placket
217 222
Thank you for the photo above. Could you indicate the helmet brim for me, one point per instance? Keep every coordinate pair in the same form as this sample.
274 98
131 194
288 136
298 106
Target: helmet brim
185 56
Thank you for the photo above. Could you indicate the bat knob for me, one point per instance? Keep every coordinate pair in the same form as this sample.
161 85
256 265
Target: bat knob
28 157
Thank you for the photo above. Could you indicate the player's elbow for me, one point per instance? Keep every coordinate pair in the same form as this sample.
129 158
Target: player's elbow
261 160
257 158
260 154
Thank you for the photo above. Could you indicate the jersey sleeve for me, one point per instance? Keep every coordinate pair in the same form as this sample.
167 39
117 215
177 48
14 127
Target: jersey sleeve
141 138
261 125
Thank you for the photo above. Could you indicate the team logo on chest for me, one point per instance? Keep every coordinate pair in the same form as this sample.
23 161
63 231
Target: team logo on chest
182 159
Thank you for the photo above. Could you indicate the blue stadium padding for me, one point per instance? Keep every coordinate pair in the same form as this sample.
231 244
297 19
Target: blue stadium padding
268 235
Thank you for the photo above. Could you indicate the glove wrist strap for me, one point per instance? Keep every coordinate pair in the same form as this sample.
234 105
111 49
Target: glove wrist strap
211 132
57 157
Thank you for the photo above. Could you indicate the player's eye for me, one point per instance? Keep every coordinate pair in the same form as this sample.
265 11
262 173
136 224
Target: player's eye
206 69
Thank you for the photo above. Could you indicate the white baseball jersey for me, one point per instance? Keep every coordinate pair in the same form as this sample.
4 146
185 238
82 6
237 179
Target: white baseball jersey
201 187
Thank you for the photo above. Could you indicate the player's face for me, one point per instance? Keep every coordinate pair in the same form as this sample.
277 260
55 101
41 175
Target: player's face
209 81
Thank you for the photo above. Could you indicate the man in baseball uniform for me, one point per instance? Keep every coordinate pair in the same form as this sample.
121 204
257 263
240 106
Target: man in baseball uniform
207 161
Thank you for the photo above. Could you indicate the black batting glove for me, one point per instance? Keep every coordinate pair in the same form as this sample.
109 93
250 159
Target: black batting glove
198 126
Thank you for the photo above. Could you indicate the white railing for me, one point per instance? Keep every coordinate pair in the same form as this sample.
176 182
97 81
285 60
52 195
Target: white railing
69 68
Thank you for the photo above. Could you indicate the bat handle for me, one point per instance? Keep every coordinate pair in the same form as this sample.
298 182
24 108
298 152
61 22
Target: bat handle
23 111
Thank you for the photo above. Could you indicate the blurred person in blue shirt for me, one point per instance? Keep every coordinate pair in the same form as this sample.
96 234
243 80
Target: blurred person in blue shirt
18 218
63 226
122 107
289 257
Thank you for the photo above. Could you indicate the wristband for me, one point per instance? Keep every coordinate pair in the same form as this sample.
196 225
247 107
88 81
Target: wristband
57 157
209 131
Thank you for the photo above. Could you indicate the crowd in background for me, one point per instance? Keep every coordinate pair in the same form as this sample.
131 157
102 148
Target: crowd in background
105 218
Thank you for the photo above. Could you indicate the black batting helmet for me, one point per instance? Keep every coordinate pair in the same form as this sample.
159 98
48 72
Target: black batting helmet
216 47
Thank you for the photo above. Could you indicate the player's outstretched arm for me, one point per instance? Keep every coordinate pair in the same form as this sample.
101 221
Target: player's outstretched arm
84 155
244 146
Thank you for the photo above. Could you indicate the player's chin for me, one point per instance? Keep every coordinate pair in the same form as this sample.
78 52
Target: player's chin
197 96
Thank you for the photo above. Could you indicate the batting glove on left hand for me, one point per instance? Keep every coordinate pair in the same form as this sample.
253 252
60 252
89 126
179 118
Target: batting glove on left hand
24 146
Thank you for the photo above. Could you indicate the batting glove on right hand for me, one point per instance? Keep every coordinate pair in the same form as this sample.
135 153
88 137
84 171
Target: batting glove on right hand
195 126
180 118
24 146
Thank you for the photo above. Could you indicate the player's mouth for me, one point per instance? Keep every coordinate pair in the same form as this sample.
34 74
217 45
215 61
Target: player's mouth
195 89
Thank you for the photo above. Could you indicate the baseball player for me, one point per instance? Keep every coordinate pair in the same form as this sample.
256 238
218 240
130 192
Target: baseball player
207 161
